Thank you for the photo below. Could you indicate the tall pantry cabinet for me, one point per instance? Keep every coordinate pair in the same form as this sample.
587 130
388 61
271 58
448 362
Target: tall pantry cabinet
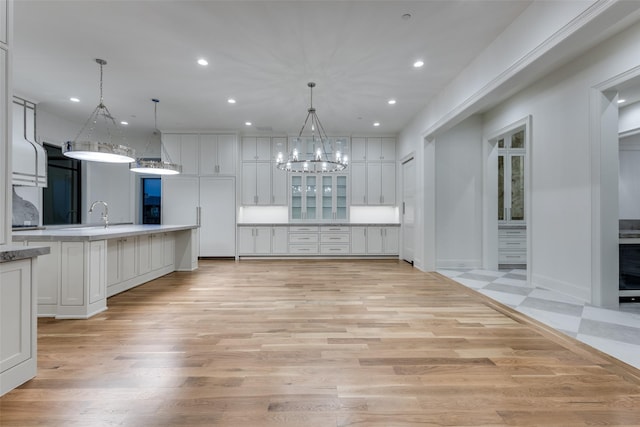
205 192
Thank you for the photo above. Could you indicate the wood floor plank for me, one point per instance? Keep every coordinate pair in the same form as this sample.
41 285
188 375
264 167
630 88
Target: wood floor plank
309 343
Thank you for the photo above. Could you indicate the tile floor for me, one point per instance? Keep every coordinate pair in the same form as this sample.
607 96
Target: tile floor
615 332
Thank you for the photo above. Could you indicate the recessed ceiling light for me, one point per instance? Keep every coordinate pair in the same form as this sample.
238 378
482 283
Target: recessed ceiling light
247 123
391 101
124 123
376 124
203 62
74 99
231 101
419 63
620 101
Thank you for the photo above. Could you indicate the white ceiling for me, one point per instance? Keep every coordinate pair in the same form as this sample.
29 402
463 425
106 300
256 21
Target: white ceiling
262 53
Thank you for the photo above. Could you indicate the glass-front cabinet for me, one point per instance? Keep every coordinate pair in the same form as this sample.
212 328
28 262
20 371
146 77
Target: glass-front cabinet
304 193
318 197
334 197
511 175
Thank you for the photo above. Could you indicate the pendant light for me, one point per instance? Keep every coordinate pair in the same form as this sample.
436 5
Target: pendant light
317 160
155 167
101 148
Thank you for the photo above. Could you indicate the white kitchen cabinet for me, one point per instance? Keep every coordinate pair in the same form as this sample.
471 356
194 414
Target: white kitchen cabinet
382 240
48 278
201 154
5 228
255 240
358 183
169 241
217 154
381 149
279 240
279 186
144 254
256 183
83 273
381 183
157 250
121 260
304 193
333 197
18 345
358 149
256 148
217 217
180 199
358 240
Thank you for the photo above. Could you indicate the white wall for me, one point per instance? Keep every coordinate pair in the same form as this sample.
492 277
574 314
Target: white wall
459 195
629 180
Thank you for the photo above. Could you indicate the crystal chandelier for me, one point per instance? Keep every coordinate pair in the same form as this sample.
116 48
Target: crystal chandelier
155 167
99 150
311 155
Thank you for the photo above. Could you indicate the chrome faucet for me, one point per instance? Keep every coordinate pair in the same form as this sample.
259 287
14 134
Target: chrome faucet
105 213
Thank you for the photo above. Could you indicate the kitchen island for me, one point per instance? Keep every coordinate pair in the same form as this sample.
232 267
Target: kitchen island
18 323
88 264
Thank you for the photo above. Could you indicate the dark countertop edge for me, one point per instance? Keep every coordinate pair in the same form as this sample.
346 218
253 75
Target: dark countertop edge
316 224
10 253
56 235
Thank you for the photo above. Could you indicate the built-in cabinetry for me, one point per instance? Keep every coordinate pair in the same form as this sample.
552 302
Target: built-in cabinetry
373 171
134 260
209 202
512 233
205 194
320 240
87 266
17 324
203 154
262 182
318 197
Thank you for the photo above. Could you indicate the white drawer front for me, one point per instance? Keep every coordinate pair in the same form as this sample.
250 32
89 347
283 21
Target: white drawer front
334 249
303 238
334 238
303 249
512 244
512 257
335 229
506 232
302 229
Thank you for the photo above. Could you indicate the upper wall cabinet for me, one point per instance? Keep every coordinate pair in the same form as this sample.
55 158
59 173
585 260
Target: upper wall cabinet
373 149
202 154
262 182
256 149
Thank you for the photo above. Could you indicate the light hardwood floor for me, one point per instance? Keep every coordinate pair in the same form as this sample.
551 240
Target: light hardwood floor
315 343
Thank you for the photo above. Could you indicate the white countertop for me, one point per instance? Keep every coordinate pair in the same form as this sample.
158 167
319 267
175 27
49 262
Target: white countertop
89 233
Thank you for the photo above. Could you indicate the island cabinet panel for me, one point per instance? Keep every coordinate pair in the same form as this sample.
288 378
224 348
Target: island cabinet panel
72 274
48 278
97 271
169 242
18 323
15 290
157 251
144 254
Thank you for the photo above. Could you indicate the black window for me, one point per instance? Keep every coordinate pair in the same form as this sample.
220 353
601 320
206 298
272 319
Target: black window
61 197
151 199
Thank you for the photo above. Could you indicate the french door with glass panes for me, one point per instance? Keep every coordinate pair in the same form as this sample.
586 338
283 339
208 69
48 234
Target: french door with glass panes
511 173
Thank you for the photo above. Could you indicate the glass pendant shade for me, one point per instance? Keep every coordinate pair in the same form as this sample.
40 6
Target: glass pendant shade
310 154
155 167
91 147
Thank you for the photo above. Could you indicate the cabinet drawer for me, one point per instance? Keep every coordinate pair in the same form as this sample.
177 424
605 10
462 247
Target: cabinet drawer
512 257
512 244
302 229
508 232
334 249
303 249
334 238
335 229
303 238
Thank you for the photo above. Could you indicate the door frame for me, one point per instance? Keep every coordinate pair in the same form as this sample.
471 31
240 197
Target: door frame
490 194
410 157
